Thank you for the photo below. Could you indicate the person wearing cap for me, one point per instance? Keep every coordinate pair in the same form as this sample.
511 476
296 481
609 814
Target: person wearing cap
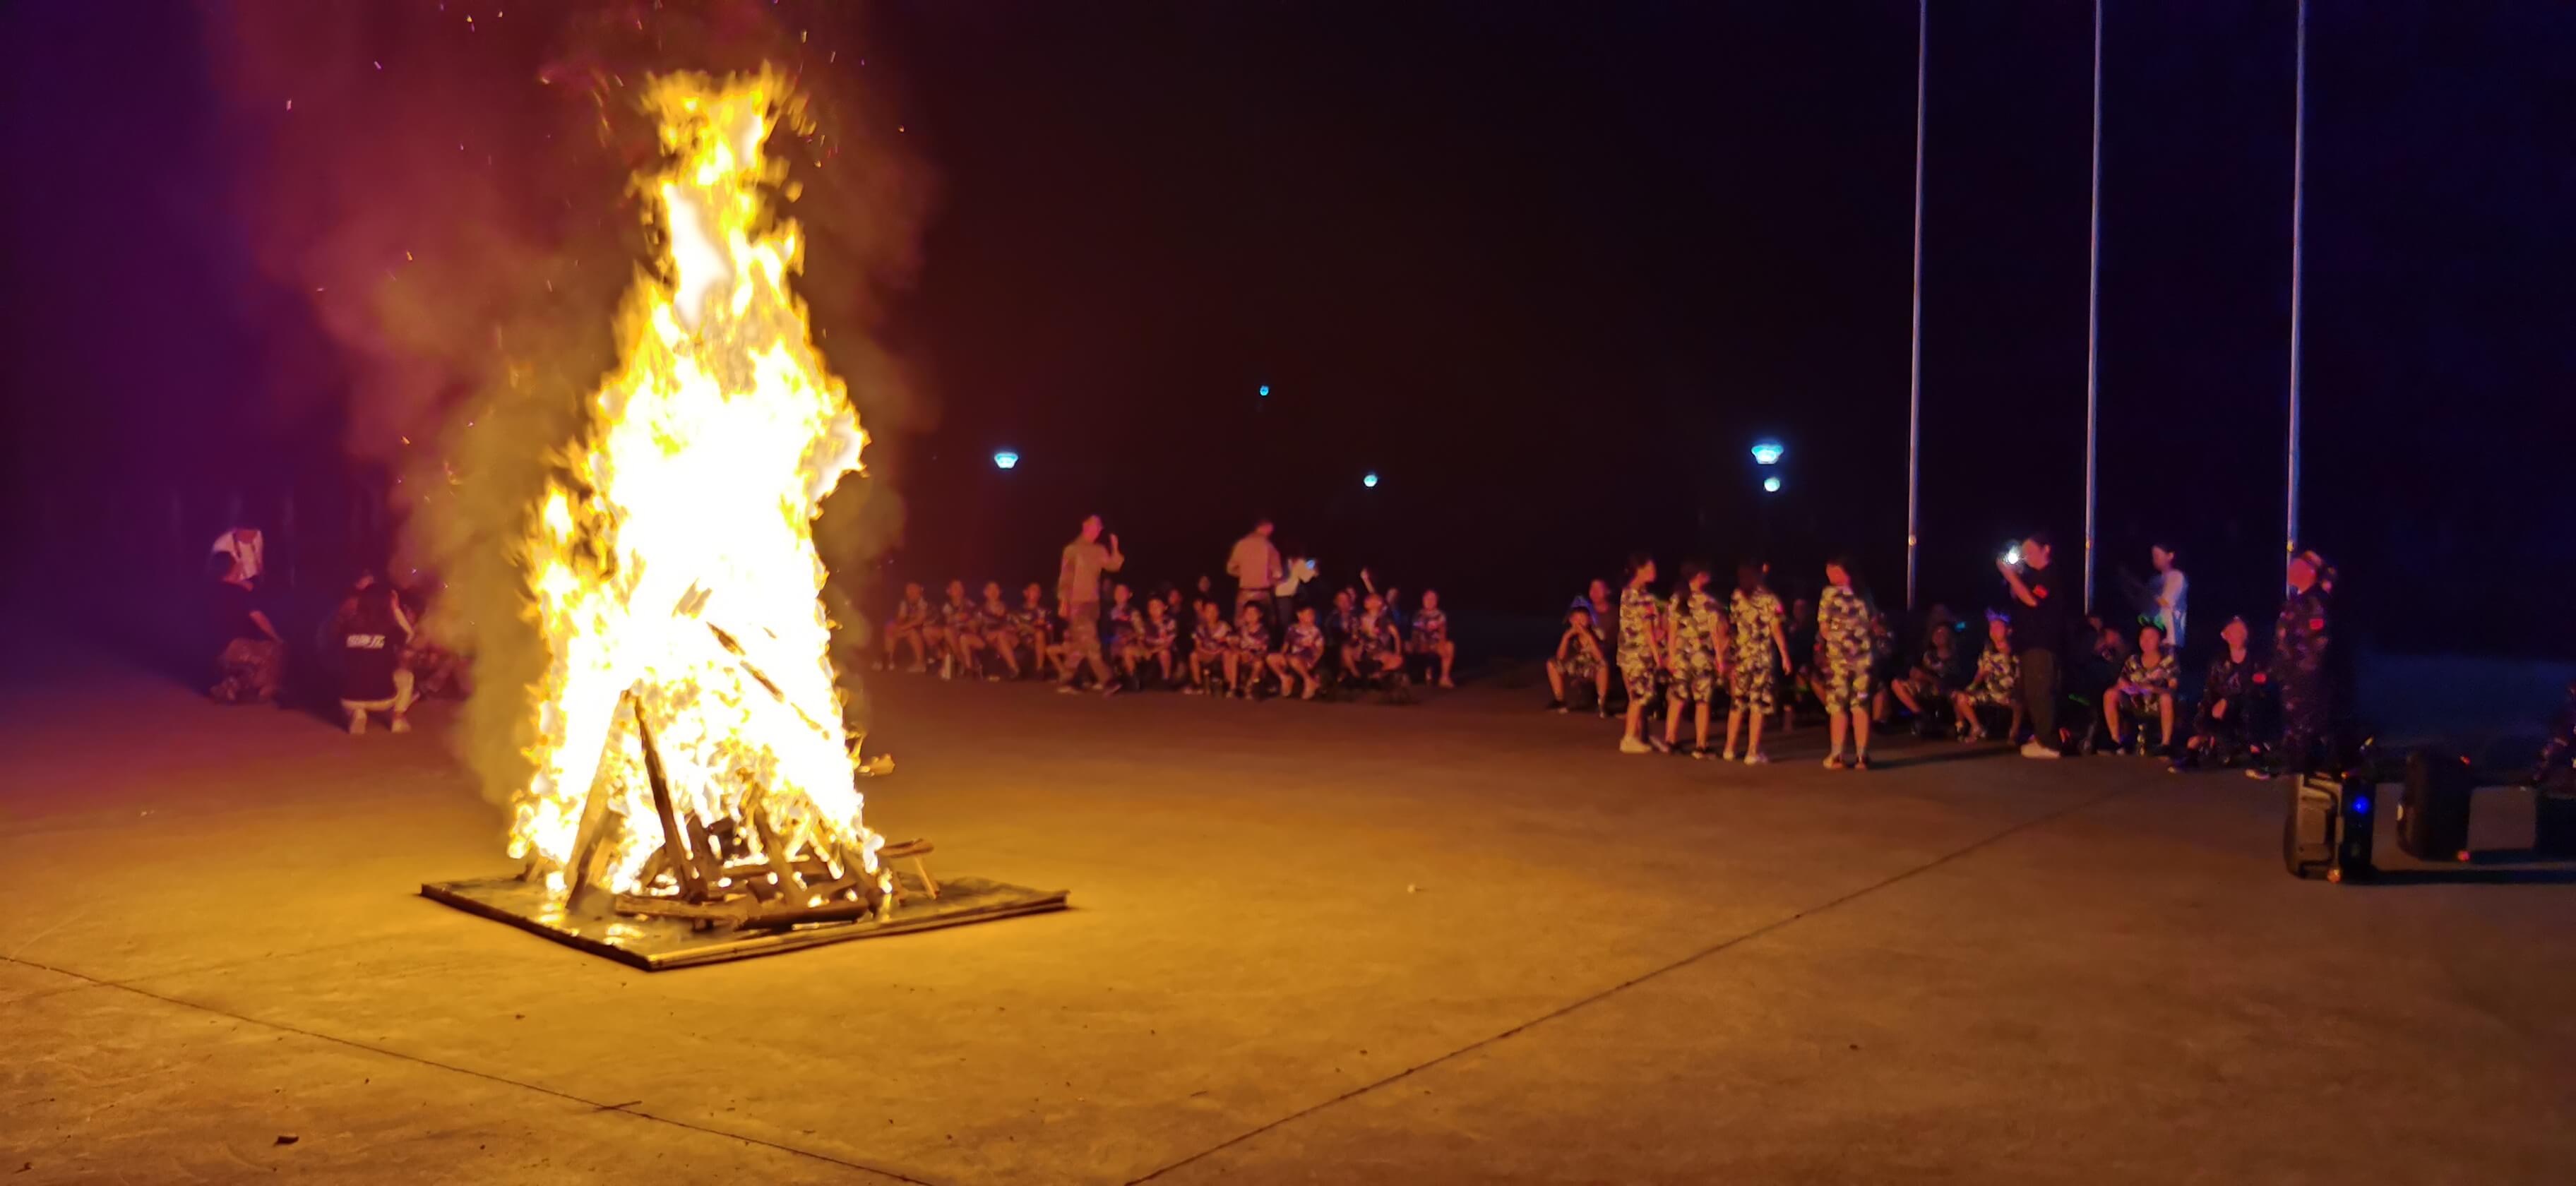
2301 636
2039 630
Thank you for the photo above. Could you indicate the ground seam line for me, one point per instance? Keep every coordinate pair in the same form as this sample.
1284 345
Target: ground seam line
1640 978
594 1105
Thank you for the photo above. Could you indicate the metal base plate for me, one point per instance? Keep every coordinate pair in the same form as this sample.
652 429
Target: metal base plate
654 944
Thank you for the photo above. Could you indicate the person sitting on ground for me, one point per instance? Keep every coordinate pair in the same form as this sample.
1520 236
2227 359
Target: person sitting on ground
1755 623
250 659
1430 636
1156 636
959 625
370 630
1000 633
1843 674
1211 650
2145 691
1031 621
1577 661
1301 652
1692 655
1997 683
1930 681
911 624
2219 732
1251 650
1641 652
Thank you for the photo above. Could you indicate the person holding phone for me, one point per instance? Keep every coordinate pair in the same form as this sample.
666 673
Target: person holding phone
2039 637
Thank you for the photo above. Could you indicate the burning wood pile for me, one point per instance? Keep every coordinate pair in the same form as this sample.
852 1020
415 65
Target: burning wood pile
689 751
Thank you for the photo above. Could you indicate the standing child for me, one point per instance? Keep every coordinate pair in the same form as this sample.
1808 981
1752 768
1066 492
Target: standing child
1997 685
1251 650
1844 653
1431 635
1211 650
1302 652
1698 638
1641 651
1755 621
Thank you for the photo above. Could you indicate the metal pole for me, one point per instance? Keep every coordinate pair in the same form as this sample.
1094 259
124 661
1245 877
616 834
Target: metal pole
2298 222
2093 318
1914 373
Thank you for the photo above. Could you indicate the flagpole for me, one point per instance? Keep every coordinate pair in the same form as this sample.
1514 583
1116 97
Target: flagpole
1914 367
2298 222
2093 320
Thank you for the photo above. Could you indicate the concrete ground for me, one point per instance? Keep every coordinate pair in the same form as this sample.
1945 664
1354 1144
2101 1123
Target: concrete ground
1461 941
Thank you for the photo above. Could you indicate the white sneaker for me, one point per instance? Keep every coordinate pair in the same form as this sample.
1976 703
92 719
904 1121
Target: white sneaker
401 725
1728 756
357 724
1065 689
1630 745
1756 758
2033 749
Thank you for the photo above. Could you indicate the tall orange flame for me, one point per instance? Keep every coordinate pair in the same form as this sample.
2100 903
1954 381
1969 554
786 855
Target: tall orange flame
672 560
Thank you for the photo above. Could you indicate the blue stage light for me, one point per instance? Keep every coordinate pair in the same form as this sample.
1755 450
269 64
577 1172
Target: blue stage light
1369 479
1006 460
2361 805
1771 485
1768 452
1264 392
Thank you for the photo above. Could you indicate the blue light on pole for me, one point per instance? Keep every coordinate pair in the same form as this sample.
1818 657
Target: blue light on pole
1767 452
1006 460
1771 485
1369 479
1263 392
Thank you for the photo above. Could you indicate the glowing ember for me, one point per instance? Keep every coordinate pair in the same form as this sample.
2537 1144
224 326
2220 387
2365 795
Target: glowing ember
672 561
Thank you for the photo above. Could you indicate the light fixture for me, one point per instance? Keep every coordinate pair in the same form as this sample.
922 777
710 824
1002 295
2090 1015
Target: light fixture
1006 460
1768 452
1369 479
1771 485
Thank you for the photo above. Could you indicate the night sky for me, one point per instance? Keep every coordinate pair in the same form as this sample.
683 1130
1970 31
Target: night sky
1546 268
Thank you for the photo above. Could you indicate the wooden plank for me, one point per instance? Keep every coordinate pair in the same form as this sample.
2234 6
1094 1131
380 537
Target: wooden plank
693 881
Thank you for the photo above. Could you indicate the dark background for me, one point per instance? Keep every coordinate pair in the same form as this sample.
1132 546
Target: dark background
1547 268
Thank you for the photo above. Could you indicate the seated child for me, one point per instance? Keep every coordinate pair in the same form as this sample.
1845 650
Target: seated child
1251 650
1211 650
913 624
1577 661
1300 653
1430 636
1997 683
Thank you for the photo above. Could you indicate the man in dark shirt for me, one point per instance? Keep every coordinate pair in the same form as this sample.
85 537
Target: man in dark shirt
2039 638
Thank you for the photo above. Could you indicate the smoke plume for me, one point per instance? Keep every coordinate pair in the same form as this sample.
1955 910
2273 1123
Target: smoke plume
447 187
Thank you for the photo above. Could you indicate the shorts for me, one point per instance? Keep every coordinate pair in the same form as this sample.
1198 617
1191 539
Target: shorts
1994 695
1640 676
1843 689
1580 665
1310 656
1754 686
1695 682
2140 706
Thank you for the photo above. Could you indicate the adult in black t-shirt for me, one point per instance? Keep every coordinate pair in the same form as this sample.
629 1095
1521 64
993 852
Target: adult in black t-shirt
370 631
2039 625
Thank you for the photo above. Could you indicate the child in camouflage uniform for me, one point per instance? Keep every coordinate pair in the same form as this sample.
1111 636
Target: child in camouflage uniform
912 623
1997 684
1211 650
1430 636
1300 653
1758 630
1845 653
2298 670
1698 629
958 624
1641 651
1251 650
1030 620
2145 691
1155 637
2219 732
1578 662
993 622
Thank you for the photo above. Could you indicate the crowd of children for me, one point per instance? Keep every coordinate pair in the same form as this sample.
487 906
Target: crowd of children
1198 641
1677 653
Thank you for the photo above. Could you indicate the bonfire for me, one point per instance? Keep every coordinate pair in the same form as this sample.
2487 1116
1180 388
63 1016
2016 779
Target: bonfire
690 757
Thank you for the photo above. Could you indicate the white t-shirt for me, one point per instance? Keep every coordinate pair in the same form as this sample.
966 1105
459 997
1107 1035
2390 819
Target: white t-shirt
2173 603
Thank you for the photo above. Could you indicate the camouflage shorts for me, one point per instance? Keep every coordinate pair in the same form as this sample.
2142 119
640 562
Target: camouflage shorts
1696 682
1843 689
1640 676
1753 686
1082 636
